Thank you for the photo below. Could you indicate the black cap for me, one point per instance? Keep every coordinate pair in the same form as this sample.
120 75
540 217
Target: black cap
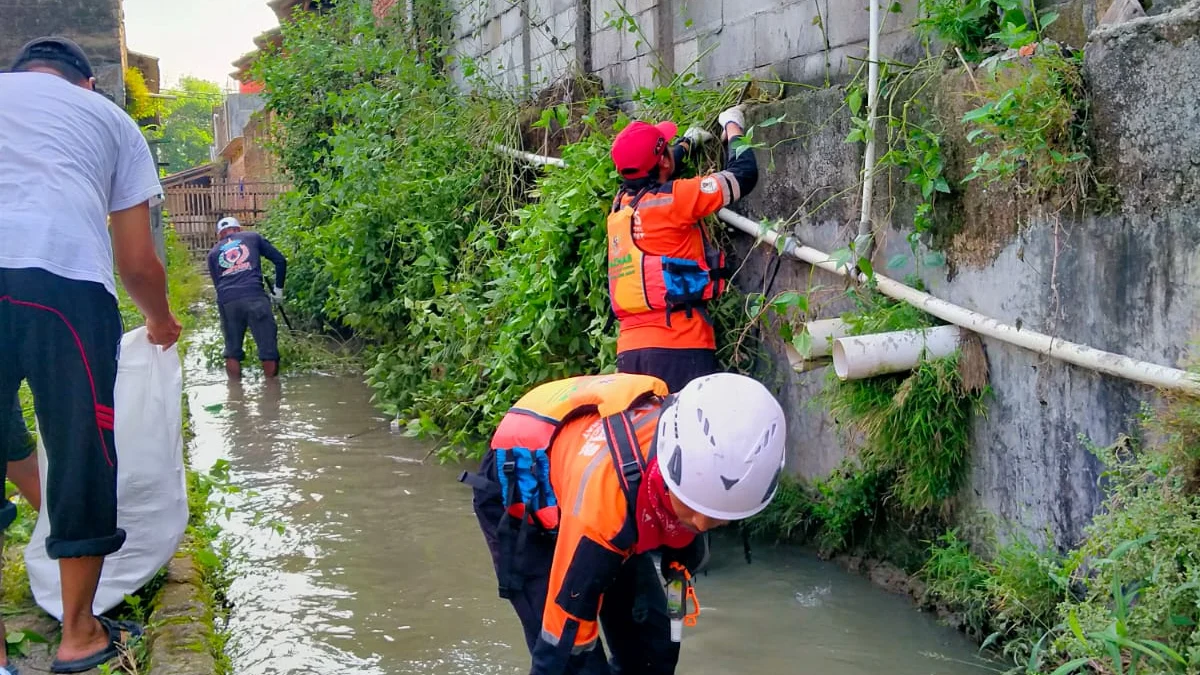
55 49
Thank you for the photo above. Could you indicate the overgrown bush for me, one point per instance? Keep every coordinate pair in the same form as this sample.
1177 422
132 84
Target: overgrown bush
1030 123
473 278
975 27
1127 600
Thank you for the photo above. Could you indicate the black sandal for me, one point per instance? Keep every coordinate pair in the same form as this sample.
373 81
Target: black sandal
120 635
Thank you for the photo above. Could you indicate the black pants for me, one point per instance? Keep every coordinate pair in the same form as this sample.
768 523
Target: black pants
17 443
62 336
253 313
676 367
633 616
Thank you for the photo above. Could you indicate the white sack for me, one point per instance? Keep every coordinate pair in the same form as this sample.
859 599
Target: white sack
151 484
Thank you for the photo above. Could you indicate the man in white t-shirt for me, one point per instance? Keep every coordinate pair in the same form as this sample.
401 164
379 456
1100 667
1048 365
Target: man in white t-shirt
76 183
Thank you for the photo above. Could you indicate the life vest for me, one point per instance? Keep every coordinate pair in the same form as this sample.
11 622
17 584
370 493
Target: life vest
522 445
640 283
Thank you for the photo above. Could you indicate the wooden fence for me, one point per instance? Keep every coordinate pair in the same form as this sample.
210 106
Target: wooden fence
194 210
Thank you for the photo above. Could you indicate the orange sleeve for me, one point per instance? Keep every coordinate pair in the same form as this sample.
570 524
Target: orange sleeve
585 565
703 196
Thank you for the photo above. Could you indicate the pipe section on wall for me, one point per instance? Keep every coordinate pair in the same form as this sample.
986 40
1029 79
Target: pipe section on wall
824 332
1083 356
858 357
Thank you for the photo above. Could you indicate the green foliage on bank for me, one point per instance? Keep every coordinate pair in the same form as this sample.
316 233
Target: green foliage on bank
1127 600
472 276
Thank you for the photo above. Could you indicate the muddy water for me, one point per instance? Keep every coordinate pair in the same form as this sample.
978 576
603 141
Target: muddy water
381 569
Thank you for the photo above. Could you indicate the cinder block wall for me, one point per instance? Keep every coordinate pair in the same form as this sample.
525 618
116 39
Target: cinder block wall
522 45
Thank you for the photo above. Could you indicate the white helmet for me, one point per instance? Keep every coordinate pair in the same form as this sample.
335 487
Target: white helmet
227 223
721 446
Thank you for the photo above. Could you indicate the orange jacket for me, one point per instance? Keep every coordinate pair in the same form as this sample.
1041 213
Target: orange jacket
667 223
595 535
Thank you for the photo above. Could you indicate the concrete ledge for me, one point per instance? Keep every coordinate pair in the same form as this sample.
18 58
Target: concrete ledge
182 621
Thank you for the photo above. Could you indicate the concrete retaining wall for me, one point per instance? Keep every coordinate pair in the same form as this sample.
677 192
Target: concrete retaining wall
523 44
1126 281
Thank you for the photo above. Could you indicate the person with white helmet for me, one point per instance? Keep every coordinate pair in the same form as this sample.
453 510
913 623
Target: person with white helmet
587 476
235 265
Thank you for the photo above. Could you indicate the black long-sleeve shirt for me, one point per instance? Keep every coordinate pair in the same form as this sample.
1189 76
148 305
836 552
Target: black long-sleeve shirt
235 265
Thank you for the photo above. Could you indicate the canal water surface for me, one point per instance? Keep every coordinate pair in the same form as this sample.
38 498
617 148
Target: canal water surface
381 569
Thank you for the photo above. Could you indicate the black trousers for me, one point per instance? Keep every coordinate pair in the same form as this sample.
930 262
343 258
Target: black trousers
62 336
254 313
676 367
17 443
633 617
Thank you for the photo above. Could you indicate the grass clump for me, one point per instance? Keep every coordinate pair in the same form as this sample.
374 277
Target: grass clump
1008 599
913 437
915 427
1127 599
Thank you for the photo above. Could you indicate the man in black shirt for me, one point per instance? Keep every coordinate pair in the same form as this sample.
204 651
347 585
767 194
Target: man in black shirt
235 265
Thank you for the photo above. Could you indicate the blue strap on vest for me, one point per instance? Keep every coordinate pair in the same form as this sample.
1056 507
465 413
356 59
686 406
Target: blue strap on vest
530 470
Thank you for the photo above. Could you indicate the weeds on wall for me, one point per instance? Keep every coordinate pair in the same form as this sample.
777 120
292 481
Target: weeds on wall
1029 125
1027 128
912 432
915 427
1127 600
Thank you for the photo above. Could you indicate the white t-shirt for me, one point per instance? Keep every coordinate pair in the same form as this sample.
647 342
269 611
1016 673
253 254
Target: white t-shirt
68 158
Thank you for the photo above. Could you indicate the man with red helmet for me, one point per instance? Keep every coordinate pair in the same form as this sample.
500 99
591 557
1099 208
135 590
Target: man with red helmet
662 267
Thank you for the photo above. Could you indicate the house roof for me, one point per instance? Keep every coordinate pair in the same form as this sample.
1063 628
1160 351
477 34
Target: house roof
189 175
234 148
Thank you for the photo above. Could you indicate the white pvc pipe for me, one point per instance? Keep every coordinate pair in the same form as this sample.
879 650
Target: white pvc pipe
801 364
1083 356
868 197
536 160
858 357
1077 354
823 332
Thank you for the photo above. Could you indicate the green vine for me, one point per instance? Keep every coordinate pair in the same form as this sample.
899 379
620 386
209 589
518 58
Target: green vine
470 276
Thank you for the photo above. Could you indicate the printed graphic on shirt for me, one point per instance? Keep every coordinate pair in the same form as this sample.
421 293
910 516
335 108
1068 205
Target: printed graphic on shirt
709 185
234 258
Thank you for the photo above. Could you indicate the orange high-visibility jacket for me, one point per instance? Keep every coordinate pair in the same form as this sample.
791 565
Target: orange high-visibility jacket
578 418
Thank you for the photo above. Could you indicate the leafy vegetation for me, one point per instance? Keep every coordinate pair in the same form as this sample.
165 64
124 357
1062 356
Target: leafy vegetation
185 133
472 278
138 102
1029 125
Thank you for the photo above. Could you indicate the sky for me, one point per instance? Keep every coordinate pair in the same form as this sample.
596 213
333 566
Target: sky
200 38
